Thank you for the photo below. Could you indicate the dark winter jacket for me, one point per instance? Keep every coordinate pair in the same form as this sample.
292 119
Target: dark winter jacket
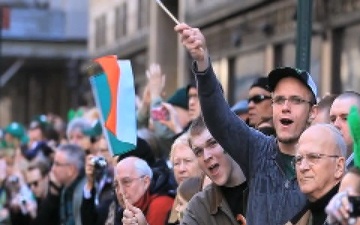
273 198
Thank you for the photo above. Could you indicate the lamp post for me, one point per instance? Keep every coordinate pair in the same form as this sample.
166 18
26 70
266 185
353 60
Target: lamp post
303 35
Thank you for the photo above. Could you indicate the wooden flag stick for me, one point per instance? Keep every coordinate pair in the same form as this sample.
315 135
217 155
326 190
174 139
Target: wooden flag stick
167 12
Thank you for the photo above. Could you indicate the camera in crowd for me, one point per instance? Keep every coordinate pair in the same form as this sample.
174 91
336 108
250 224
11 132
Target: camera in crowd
160 113
14 180
19 194
99 162
355 202
13 183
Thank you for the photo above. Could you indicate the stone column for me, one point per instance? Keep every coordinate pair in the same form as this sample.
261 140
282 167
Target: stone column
163 42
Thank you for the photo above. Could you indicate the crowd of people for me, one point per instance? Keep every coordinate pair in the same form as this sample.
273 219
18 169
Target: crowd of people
282 156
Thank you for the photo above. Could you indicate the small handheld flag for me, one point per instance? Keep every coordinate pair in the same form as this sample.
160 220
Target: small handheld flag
114 93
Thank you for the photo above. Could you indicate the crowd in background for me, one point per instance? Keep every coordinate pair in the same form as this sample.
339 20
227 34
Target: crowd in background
277 157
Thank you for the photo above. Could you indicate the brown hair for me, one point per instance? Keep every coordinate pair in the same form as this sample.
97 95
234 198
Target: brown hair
42 165
189 187
197 126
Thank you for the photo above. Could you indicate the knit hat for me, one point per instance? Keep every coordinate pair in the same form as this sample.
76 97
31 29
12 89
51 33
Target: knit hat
261 82
142 150
192 84
179 98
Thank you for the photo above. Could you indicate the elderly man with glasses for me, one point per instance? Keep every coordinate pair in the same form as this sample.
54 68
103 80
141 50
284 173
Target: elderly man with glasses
274 195
133 184
320 165
68 168
66 182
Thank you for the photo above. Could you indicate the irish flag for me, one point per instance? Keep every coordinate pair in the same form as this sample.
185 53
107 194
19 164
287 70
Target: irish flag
114 94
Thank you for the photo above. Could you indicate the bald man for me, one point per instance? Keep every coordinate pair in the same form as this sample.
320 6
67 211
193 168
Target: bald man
320 165
338 116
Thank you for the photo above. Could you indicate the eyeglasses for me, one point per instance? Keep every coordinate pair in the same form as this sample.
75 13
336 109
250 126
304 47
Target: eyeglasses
258 98
126 182
61 164
293 100
311 158
34 183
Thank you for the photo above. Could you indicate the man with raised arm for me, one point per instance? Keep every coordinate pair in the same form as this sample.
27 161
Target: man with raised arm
274 194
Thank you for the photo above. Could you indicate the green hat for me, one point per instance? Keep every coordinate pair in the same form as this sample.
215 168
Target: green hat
95 130
39 121
18 131
179 98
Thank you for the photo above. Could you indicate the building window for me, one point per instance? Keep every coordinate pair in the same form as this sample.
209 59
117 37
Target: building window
244 73
349 57
120 22
143 18
100 31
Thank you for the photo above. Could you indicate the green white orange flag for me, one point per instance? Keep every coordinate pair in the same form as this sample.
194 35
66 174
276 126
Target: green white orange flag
114 94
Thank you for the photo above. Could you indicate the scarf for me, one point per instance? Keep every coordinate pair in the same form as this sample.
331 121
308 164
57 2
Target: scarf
144 202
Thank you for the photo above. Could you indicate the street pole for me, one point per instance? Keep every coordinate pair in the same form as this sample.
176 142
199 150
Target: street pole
303 35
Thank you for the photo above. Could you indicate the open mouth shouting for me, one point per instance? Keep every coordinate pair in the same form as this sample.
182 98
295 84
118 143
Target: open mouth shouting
286 122
214 169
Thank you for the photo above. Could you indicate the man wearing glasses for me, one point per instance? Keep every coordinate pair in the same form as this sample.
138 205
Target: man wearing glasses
65 190
38 180
274 194
320 166
68 168
133 177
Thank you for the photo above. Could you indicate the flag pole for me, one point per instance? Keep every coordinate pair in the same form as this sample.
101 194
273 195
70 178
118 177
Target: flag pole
167 12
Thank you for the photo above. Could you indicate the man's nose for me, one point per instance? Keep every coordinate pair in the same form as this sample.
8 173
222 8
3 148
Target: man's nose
303 165
251 104
337 123
286 105
182 166
207 155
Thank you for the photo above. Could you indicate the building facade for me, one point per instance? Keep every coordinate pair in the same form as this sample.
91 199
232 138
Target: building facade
43 44
246 39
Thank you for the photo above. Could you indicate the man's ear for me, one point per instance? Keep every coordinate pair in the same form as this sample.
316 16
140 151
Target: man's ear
340 168
313 113
73 169
147 181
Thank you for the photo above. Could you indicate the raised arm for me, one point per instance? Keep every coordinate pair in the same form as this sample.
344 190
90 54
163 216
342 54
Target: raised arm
240 141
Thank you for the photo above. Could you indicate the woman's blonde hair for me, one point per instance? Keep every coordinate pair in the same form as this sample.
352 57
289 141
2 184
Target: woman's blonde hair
182 140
